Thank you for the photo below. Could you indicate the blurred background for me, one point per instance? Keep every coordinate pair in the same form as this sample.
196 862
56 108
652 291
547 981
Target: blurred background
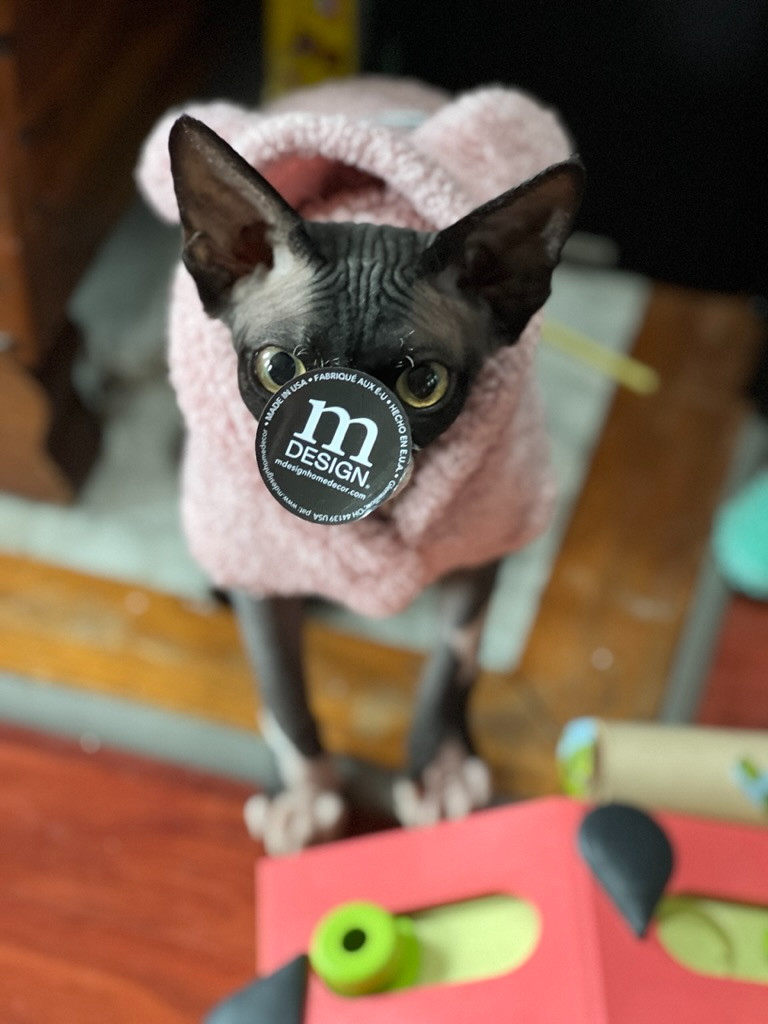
125 881
665 100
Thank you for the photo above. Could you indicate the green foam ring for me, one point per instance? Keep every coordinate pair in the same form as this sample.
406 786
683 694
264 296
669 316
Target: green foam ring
359 948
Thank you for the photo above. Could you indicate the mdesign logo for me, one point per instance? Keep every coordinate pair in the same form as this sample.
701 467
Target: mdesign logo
330 456
332 445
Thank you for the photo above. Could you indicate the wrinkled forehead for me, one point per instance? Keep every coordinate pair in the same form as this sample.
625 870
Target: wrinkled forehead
364 285
361 300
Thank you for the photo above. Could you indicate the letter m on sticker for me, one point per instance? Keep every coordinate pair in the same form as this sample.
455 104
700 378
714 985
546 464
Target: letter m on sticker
343 423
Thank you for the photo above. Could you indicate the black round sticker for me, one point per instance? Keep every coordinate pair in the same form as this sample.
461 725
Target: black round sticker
333 444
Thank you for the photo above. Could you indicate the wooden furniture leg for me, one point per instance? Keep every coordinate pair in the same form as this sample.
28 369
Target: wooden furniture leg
50 439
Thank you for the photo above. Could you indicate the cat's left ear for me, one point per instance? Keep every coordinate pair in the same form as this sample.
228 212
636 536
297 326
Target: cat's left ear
505 251
233 221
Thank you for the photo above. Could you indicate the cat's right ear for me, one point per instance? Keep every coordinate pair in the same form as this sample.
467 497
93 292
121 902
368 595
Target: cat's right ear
234 222
505 251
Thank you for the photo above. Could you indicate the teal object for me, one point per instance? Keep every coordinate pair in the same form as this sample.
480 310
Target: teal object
740 539
752 782
277 999
576 755
630 856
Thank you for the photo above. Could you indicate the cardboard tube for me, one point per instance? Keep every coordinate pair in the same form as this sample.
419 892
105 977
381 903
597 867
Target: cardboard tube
710 772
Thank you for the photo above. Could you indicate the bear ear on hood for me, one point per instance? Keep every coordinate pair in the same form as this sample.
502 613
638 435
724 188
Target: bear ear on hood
492 137
505 251
233 221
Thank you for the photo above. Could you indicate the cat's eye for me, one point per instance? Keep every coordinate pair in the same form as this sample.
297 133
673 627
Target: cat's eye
423 385
275 366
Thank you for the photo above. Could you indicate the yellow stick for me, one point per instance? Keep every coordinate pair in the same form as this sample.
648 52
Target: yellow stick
625 370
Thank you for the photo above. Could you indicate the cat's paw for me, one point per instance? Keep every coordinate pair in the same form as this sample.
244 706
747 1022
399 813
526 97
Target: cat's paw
302 815
455 784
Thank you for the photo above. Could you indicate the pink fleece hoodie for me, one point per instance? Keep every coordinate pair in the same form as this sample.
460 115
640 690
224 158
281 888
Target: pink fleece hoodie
384 151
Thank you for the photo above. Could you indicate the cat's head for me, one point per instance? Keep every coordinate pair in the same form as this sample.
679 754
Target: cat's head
418 310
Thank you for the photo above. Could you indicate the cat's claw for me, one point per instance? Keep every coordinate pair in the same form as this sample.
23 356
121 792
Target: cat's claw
300 816
455 784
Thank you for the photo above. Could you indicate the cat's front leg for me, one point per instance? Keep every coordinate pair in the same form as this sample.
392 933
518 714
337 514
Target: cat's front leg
446 779
311 807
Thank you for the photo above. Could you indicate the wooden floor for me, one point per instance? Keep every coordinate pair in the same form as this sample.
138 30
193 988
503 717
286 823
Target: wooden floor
126 891
126 888
610 620
736 693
